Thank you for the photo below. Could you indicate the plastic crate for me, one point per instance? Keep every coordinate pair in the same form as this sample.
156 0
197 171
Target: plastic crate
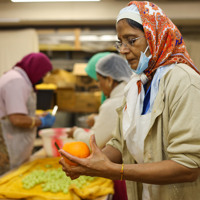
45 99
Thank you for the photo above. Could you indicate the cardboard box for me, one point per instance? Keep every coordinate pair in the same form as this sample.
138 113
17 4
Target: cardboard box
79 69
61 78
79 102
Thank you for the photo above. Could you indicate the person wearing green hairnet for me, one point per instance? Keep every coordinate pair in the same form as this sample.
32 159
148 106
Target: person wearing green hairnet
113 73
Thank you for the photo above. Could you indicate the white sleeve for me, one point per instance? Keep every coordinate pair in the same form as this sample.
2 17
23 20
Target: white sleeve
104 125
16 96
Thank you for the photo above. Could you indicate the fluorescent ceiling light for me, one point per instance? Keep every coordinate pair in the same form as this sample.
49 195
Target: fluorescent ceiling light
51 0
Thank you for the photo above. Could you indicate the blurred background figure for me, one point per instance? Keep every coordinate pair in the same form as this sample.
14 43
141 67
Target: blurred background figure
18 123
113 73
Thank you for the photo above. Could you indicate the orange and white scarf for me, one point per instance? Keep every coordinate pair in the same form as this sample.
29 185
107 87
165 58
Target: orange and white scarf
167 48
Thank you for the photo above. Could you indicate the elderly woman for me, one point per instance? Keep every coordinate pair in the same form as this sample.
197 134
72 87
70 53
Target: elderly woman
157 141
18 122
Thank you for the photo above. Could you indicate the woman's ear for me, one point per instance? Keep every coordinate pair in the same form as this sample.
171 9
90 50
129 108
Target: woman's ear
110 81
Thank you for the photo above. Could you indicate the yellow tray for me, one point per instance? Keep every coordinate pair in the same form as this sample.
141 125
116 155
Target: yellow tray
11 184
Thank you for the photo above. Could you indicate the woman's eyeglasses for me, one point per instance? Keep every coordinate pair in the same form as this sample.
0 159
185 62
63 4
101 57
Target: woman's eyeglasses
127 45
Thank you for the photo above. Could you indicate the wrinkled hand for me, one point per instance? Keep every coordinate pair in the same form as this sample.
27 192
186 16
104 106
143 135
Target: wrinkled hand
94 165
70 132
47 121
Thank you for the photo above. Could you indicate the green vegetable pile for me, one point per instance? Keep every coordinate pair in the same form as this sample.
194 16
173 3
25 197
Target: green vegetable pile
53 180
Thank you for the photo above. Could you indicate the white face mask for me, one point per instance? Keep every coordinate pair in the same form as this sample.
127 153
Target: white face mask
143 62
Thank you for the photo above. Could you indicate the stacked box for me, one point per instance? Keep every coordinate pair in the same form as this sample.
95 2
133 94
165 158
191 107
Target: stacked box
79 102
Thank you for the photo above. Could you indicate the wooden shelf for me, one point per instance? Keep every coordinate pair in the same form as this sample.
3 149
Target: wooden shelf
58 47
56 41
65 47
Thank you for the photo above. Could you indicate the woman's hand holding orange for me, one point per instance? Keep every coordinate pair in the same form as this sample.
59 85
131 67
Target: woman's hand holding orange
96 164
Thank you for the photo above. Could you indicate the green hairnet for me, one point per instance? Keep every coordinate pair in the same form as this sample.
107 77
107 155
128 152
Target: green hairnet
91 66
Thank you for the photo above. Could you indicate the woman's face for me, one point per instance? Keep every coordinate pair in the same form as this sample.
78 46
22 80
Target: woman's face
125 34
105 84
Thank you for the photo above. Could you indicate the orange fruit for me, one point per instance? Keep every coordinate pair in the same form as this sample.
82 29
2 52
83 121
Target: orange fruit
78 149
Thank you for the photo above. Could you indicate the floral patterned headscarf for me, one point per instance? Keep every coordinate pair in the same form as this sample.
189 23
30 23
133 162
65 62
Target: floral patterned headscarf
165 40
167 48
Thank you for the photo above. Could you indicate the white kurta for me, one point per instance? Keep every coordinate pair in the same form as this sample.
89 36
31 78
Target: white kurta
106 122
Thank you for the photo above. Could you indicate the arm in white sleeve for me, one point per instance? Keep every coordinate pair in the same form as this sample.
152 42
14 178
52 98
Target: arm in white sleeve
103 127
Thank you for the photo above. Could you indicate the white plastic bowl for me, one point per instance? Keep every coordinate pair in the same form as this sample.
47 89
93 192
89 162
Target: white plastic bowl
50 136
